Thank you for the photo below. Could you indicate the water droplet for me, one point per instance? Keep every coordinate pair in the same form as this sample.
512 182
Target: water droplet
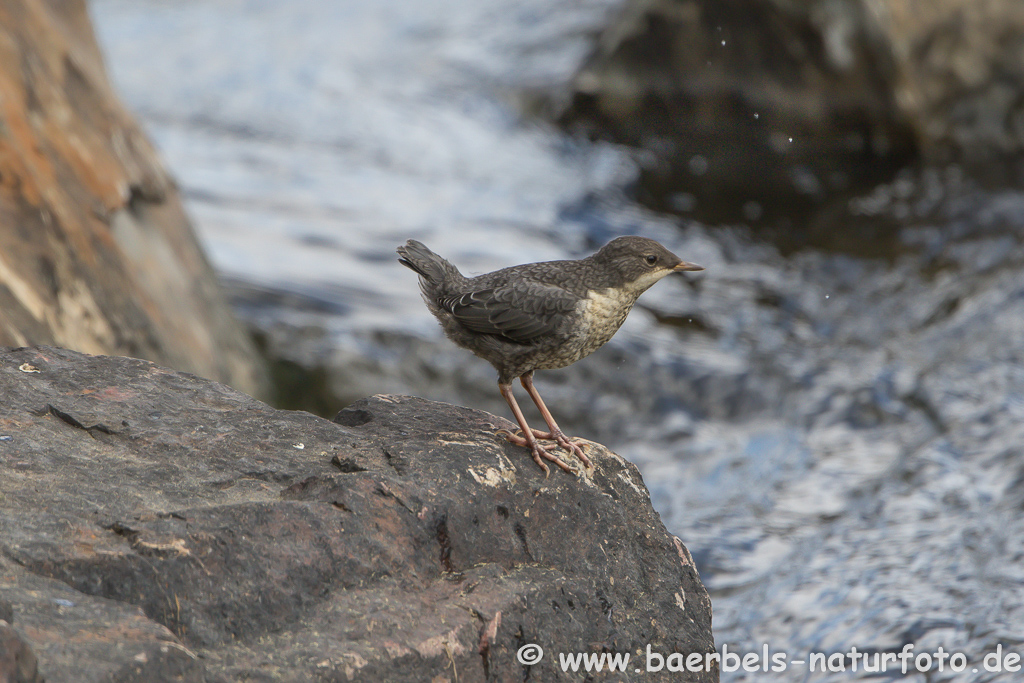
698 165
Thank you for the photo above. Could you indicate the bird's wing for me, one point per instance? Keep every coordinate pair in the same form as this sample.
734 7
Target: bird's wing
519 313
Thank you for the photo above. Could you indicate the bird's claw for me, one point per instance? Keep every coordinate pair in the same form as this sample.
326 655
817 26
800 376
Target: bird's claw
575 449
559 437
539 452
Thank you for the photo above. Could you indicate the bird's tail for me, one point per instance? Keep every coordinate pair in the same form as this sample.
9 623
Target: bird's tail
435 270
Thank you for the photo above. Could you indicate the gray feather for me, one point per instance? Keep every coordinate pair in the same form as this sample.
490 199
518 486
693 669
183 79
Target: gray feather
518 311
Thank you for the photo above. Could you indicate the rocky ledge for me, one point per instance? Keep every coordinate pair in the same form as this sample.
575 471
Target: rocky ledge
156 526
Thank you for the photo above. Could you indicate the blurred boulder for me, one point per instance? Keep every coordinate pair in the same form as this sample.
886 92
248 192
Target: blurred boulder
156 526
748 106
960 74
744 105
96 252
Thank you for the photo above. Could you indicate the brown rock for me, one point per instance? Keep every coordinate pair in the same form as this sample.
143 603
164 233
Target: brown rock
96 252
221 539
17 661
960 74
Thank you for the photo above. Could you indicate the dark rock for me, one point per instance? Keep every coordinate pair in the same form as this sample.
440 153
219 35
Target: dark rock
754 107
214 538
87 638
745 106
96 252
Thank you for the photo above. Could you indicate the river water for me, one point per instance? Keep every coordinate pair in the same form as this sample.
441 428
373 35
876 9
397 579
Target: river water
835 437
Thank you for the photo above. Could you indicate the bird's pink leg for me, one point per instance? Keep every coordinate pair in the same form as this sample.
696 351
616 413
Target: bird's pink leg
539 452
557 434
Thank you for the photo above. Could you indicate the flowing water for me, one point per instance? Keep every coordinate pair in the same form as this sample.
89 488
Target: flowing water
836 437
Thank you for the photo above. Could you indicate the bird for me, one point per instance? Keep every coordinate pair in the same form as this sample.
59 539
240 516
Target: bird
540 316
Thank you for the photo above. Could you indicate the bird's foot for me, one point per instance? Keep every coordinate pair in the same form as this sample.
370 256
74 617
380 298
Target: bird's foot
539 452
520 441
573 448
559 437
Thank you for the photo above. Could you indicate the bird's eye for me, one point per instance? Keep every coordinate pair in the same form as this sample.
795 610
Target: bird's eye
651 259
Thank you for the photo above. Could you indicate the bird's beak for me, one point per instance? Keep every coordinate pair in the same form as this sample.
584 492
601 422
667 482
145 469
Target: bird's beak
683 265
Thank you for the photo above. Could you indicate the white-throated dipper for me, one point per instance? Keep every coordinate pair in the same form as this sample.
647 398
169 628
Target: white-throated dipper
540 316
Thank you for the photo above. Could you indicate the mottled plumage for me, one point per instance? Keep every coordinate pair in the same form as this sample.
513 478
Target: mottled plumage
540 316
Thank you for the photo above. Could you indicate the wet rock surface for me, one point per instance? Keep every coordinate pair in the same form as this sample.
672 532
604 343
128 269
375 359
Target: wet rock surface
157 526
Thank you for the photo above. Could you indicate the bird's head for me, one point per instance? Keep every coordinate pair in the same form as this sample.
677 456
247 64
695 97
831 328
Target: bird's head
641 262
